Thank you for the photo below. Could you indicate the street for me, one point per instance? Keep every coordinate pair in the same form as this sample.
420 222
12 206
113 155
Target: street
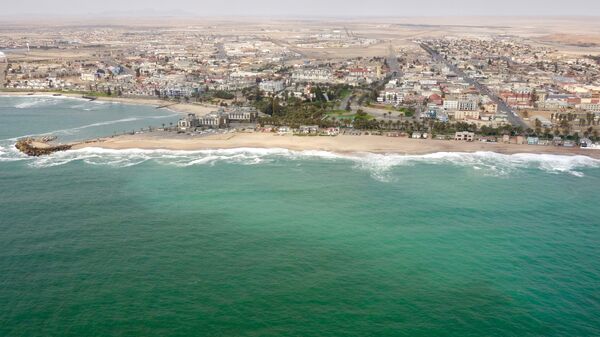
512 116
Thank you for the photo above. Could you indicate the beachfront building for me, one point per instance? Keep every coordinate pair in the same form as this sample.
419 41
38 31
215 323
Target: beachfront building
189 122
464 136
213 120
308 129
242 114
284 130
332 131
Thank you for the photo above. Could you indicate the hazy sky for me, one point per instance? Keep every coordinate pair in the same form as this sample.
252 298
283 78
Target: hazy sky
303 7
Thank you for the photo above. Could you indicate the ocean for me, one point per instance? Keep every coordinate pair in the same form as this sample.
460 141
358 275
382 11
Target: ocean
271 242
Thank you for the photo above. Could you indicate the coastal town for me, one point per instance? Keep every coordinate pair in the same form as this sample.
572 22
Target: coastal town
320 80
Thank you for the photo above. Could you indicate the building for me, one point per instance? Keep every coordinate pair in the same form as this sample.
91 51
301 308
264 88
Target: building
189 122
213 120
283 130
465 136
467 105
243 114
88 77
317 75
332 131
593 107
450 105
460 115
308 129
533 140
271 86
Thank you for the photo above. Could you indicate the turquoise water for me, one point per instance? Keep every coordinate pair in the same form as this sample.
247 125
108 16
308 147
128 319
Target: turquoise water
254 242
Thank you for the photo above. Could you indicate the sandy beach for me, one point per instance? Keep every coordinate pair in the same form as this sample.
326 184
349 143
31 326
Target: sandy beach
184 108
338 144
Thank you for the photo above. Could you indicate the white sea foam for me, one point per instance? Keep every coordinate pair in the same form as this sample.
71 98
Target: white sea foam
379 165
35 102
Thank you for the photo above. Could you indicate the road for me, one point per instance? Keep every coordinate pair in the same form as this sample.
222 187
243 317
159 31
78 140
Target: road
513 117
344 102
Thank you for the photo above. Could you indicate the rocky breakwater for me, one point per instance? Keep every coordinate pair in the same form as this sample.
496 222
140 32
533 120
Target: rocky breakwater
40 146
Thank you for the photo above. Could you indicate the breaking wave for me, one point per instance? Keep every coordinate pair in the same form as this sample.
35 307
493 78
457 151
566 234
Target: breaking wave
36 102
381 166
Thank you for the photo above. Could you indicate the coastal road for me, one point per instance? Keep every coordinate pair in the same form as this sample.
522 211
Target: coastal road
512 116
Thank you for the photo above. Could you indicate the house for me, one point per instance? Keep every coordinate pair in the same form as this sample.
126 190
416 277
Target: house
585 142
308 129
465 136
282 130
488 139
557 141
436 99
533 140
506 139
332 131
520 140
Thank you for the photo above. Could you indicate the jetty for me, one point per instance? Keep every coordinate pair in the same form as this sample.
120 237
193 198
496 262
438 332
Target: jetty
166 105
36 147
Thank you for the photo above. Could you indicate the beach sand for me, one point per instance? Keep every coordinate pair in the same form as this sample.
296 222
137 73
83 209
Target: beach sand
338 144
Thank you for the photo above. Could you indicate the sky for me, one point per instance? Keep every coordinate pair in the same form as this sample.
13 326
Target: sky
302 8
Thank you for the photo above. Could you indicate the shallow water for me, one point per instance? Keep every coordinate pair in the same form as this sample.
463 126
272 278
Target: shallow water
254 242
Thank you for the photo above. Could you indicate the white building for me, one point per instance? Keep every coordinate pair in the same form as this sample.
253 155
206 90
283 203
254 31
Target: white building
593 107
213 120
450 105
88 77
244 114
271 86
312 75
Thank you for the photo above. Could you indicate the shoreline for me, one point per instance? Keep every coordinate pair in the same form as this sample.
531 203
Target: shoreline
342 144
182 108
